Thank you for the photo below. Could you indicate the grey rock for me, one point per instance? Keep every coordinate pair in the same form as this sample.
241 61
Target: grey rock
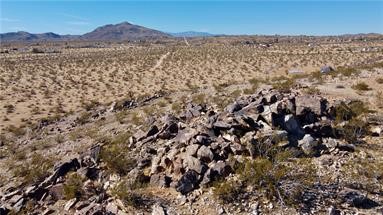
222 125
314 104
69 204
205 154
356 199
152 131
330 143
192 149
195 164
184 136
292 126
233 107
188 182
160 180
157 209
308 144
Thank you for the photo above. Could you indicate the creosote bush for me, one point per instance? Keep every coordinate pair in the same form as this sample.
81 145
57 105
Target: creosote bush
226 191
114 154
128 194
361 86
34 170
73 186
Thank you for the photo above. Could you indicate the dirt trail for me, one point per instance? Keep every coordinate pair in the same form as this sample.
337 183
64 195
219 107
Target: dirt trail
159 62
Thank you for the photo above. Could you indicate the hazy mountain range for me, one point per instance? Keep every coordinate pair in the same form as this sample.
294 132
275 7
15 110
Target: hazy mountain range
121 31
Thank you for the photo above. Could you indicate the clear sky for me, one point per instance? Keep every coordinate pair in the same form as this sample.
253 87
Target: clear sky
224 17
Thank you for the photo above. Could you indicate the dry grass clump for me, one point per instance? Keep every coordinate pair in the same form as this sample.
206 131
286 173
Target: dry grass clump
361 86
34 170
379 80
115 154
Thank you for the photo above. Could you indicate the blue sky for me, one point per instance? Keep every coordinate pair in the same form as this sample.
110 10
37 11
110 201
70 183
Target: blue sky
225 17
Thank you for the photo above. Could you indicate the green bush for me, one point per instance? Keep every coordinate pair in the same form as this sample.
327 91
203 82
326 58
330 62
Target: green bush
35 170
226 191
115 155
73 186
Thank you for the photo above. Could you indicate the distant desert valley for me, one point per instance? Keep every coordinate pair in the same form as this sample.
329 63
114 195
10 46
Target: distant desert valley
145 122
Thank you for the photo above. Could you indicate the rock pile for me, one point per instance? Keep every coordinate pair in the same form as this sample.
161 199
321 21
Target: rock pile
195 149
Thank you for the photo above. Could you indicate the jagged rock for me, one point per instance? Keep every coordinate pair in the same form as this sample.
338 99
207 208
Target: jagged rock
346 147
69 204
292 126
330 143
152 131
170 129
160 180
220 125
195 164
217 171
157 209
184 136
192 149
308 144
356 199
62 170
233 107
237 148
205 154
315 104
4 210
188 182
57 191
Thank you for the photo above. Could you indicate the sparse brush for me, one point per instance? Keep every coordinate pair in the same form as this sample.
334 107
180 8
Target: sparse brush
73 186
361 86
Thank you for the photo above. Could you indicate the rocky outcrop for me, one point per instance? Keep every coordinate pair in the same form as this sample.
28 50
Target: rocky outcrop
194 149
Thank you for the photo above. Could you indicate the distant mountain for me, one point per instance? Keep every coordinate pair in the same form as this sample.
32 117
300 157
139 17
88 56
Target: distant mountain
25 36
192 34
121 31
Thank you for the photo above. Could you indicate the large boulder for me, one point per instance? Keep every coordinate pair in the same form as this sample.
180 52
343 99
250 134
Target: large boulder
308 145
195 164
205 154
188 182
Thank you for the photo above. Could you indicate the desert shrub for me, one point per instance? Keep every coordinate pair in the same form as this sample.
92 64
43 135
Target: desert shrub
9 108
127 194
90 105
379 80
226 191
17 131
121 116
35 170
284 86
176 107
363 173
199 98
84 118
318 76
354 130
344 112
361 86
73 186
115 155
346 71
263 174
312 90
37 51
